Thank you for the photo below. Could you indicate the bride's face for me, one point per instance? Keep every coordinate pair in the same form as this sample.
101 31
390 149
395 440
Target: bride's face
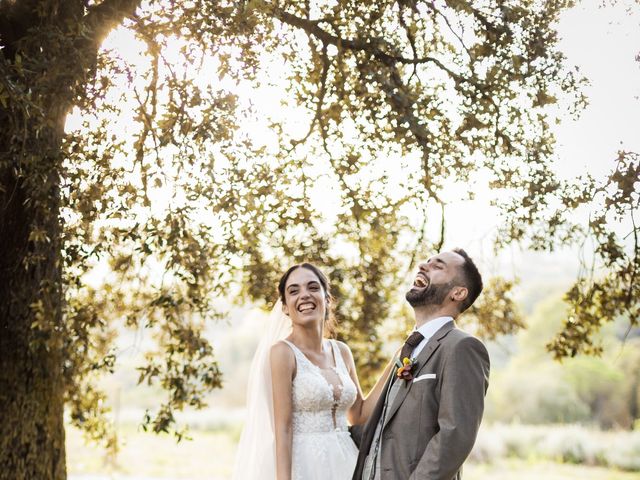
305 299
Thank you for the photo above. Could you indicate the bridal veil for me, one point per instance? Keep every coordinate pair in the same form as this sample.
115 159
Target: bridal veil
256 455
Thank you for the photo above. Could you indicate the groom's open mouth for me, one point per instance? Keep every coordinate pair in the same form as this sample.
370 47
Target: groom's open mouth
421 281
306 307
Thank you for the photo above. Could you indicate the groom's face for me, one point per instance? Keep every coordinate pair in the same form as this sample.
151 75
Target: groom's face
435 279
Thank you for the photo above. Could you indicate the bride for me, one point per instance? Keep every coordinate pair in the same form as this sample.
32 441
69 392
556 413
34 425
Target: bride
303 390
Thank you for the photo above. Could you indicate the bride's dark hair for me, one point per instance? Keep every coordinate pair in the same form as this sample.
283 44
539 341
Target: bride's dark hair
329 319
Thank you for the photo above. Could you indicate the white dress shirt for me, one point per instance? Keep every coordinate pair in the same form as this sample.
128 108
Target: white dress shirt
428 330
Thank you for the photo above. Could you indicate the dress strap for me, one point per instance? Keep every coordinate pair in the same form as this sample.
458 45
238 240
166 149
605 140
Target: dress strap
335 351
295 349
337 356
300 357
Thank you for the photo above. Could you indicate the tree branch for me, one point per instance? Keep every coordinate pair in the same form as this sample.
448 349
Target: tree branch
410 37
326 63
16 18
312 28
105 16
421 235
448 23
397 98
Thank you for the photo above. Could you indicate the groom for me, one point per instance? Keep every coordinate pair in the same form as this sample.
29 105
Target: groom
426 421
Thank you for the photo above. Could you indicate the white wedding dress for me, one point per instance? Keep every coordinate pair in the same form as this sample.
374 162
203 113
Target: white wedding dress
322 446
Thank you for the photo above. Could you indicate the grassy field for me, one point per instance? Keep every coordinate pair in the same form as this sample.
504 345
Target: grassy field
515 469
209 455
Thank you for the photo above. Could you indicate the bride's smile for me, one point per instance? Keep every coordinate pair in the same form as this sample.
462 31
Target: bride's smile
305 298
306 307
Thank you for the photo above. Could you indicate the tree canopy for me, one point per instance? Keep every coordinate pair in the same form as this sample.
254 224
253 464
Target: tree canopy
164 194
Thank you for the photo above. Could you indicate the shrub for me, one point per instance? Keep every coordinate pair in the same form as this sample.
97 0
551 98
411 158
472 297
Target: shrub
558 443
624 452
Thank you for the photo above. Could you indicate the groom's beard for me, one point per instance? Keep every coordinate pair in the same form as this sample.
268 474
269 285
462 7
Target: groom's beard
432 295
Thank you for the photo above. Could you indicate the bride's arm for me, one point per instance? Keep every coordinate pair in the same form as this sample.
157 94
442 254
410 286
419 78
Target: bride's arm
363 406
282 372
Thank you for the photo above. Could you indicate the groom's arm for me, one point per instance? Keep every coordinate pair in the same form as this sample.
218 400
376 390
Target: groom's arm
465 378
363 406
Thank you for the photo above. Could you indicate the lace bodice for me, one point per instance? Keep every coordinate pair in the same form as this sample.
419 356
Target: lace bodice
321 397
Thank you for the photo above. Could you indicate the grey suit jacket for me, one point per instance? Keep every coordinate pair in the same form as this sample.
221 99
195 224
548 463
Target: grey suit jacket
432 425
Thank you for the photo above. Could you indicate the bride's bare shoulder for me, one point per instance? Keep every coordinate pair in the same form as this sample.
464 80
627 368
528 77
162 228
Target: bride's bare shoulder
283 360
282 353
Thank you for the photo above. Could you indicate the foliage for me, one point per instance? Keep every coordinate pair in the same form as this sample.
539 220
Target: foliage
590 214
495 313
166 195
534 389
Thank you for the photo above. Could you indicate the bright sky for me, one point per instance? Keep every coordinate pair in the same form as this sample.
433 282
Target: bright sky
603 43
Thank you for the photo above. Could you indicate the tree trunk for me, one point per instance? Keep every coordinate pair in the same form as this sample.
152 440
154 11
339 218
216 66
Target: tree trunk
32 440
47 51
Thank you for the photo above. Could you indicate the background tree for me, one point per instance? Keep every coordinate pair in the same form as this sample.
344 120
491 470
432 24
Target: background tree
532 388
165 196
598 217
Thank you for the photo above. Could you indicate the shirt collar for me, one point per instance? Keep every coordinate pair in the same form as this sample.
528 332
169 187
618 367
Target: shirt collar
432 326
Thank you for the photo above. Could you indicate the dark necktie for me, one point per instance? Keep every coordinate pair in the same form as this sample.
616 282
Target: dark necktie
410 343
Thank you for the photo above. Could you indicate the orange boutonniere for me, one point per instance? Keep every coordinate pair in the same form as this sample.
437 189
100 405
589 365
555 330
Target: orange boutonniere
405 369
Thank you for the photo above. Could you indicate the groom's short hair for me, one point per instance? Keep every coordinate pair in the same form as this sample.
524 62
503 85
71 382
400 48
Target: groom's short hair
470 277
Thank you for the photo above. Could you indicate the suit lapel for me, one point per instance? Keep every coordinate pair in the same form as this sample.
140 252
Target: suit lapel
422 359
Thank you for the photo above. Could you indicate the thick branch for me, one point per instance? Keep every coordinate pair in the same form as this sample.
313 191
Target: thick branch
102 18
312 28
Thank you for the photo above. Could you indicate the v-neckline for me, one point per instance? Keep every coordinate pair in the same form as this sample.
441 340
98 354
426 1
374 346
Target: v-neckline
334 390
